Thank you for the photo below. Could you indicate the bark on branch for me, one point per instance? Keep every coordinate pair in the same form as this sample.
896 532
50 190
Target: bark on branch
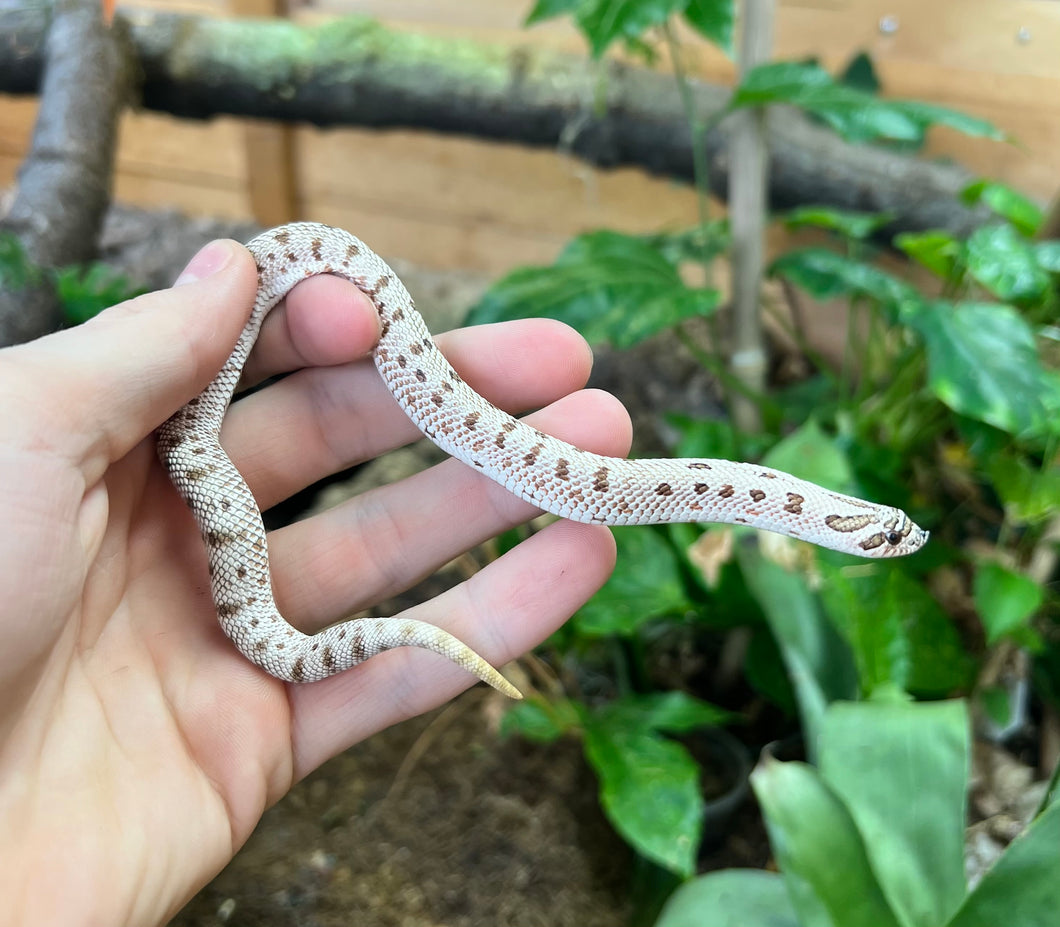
355 72
64 184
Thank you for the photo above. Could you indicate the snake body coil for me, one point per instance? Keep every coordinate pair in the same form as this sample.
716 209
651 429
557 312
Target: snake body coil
550 473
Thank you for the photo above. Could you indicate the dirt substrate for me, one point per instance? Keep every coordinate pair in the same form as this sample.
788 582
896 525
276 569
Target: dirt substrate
432 822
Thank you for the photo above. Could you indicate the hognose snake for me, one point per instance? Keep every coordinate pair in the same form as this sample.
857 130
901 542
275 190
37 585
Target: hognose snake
550 473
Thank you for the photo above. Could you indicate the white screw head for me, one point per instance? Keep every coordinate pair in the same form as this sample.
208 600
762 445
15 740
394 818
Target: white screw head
888 24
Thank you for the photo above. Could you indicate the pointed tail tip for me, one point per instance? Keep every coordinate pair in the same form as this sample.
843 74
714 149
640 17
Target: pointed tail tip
503 686
493 678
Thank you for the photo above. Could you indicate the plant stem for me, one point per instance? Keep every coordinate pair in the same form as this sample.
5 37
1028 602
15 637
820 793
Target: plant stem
697 129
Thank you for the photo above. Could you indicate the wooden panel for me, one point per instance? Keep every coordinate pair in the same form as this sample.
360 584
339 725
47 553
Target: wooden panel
461 185
16 124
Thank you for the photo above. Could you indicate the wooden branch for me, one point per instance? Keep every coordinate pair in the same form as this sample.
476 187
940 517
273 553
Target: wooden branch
355 72
64 184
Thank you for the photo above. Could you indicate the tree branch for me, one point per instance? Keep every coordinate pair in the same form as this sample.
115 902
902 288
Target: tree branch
355 72
64 184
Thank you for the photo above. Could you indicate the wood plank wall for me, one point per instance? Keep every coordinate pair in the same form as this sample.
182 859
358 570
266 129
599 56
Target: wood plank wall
451 202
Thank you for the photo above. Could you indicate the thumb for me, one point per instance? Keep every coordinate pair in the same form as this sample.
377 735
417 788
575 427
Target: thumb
116 378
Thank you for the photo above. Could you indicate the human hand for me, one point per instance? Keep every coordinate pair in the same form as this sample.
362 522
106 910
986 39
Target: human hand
138 748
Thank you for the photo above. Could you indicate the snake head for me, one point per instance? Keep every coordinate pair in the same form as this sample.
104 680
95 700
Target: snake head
897 536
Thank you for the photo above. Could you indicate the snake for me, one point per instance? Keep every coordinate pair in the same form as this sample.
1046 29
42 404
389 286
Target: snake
554 475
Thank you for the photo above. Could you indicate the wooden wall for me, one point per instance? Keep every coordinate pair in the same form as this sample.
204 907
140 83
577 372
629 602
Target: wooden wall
451 202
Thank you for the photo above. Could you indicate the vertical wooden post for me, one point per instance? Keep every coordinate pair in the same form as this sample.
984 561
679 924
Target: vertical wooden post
748 183
270 155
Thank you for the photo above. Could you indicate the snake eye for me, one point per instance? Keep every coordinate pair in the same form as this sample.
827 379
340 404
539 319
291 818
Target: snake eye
893 537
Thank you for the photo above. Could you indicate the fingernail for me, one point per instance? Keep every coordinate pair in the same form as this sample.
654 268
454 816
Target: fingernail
210 259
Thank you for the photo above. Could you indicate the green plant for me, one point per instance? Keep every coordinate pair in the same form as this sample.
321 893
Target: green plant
649 783
83 291
945 401
874 836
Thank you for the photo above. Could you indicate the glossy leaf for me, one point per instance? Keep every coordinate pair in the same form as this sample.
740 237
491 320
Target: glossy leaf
1005 600
714 20
983 363
541 720
647 583
1006 264
810 454
871 625
901 771
826 274
818 661
547 9
1030 495
899 635
672 712
611 287
1047 254
1008 203
855 115
819 850
649 790
848 223
1023 887
938 251
603 22
731 898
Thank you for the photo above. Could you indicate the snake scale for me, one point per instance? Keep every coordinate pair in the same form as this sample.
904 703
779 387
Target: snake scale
553 475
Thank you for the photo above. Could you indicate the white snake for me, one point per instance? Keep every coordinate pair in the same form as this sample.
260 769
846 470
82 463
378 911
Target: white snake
550 473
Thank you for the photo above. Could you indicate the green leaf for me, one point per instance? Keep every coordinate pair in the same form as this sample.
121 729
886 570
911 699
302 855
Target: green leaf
611 287
714 20
819 850
1005 600
928 114
1007 265
855 115
818 660
1030 495
704 437
698 243
671 712
983 363
647 583
1008 203
731 898
938 251
825 274
781 82
86 291
901 770
1047 254
810 454
541 720
1023 886
605 21
649 790
1000 705
546 9
873 628
860 74
17 271
898 633
845 222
